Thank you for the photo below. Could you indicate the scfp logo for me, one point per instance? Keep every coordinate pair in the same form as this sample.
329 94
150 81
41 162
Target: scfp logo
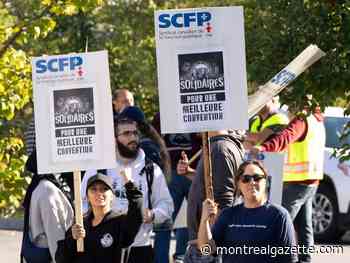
58 64
183 19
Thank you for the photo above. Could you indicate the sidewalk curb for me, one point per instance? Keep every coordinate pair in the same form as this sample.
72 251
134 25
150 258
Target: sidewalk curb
11 224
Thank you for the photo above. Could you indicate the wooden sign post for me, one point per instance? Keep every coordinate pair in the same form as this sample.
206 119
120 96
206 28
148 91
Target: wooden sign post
78 207
208 177
207 167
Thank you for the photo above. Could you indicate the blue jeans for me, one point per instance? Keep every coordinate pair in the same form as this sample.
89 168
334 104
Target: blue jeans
179 187
297 199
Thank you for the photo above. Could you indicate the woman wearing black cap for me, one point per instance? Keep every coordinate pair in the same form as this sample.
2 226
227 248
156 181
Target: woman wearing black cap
105 233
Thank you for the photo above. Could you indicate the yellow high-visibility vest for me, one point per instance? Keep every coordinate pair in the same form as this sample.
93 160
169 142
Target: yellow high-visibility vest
304 160
274 119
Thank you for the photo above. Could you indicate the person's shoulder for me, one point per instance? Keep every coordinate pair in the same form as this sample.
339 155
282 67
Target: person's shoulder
157 171
278 210
227 146
47 194
231 211
280 115
222 142
114 217
47 187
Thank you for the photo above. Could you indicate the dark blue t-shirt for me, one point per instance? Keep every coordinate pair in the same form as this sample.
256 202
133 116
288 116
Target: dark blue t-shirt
250 235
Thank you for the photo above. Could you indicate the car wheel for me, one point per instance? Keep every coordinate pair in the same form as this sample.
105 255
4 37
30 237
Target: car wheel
325 214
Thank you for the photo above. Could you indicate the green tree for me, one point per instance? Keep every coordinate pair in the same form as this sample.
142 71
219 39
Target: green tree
23 23
276 31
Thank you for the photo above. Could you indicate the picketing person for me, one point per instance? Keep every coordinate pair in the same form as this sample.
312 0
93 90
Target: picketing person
47 215
105 233
226 155
268 121
122 98
304 140
253 231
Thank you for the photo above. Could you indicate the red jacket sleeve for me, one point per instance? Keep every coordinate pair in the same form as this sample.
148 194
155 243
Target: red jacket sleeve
296 130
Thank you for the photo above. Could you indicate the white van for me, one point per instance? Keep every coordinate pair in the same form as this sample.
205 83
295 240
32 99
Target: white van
331 205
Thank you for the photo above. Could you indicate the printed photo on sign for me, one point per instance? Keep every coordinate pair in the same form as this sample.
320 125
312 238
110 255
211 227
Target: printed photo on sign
75 131
201 72
202 86
74 107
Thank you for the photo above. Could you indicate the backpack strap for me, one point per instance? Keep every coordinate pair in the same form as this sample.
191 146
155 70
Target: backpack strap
149 171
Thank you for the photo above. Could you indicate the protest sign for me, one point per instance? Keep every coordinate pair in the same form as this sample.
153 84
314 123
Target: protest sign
201 69
181 218
282 79
73 112
273 163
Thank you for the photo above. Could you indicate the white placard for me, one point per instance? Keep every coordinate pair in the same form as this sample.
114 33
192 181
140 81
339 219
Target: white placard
201 69
181 218
73 112
273 162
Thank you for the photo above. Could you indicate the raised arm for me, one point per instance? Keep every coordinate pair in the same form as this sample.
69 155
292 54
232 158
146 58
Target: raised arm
134 218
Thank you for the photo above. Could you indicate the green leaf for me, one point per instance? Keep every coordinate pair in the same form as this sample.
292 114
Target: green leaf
36 32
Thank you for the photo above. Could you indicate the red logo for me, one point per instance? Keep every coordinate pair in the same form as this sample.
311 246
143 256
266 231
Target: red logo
80 71
208 28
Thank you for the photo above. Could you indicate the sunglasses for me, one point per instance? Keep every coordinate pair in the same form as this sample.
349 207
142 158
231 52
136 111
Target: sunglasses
246 178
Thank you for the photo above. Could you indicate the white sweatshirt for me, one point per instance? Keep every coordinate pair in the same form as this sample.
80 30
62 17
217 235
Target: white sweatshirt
161 200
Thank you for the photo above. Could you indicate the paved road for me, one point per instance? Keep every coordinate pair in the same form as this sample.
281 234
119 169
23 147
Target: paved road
10 245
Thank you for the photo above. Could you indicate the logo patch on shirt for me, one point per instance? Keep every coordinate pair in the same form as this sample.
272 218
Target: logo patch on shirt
106 240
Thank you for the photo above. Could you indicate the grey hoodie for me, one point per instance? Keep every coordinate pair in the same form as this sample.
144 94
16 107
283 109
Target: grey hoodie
50 216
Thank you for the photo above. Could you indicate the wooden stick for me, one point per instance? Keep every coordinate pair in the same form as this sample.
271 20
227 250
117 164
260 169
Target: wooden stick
194 157
207 171
86 44
78 207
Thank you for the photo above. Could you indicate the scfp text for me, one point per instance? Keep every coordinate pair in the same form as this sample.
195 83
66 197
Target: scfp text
179 20
58 64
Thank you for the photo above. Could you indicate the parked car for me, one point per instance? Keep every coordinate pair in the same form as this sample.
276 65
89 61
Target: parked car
331 205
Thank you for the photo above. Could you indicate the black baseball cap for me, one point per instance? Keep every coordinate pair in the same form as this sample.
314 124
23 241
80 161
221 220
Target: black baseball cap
99 177
132 113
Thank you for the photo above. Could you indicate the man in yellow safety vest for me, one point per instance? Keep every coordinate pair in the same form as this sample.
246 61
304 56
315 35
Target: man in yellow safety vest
267 122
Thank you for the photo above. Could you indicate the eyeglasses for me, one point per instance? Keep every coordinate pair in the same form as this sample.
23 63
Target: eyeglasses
246 178
136 133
